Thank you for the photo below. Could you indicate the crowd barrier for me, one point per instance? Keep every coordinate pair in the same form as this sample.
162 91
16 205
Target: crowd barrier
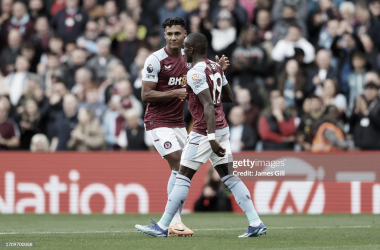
135 182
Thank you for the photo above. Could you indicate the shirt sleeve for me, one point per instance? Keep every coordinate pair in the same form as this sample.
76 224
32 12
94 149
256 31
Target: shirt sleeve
151 69
197 81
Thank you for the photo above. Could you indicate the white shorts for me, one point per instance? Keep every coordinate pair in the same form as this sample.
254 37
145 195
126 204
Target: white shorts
198 150
168 140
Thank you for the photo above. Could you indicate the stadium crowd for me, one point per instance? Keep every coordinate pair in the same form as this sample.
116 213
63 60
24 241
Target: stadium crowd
304 72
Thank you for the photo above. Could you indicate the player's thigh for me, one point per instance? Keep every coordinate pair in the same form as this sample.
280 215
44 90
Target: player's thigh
165 140
224 141
196 152
181 134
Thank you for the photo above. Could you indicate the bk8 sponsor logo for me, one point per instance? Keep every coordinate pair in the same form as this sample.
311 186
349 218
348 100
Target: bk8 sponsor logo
177 81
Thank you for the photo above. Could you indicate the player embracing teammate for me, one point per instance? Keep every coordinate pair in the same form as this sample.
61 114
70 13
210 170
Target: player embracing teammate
209 139
163 88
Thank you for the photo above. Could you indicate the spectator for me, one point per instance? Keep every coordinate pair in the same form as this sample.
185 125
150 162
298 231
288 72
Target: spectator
117 74
134 136
36 9
292 84
233 7
331 96
171 8
347 12
374 7
16 82
320 73
366 23
112 25
242 137
364 122
56 47
372 76
343 48
264 24
113 123
83 80
285 48
77 60
20 21
52 74
93 9
9 54
88 135
65 122
277 129
70 22
39 143
215 196
356 78
127 99
305 130
28 50
318 20
9 133
289 16
29 123
329 137
92 102
372 56
88 40
251 112
327 34
6 12
142 16
301 7
42 36
99 63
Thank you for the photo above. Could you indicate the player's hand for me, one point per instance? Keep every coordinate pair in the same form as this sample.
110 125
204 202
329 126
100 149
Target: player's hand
181 94
223 62
217 149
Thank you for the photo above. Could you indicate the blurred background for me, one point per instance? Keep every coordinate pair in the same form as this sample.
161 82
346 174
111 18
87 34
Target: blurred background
304 72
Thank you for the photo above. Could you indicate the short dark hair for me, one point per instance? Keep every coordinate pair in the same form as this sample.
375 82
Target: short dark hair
199 41
169 22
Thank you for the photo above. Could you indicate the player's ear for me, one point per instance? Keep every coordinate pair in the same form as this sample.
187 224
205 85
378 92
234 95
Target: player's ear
185 33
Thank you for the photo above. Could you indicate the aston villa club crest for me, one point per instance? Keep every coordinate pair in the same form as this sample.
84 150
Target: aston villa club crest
167 145
188 65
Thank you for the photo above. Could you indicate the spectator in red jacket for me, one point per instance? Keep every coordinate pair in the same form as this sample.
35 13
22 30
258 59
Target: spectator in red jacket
9 133
277 129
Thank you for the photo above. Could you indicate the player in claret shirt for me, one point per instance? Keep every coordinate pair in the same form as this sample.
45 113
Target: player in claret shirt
164 82
209 139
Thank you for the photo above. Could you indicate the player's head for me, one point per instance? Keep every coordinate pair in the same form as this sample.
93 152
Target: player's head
174 31
195 44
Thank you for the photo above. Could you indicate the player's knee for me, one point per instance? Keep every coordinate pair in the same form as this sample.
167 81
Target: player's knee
230 180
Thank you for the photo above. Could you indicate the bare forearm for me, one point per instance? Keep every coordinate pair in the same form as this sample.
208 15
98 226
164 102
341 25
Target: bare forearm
227 95
209 113
14 142
157 96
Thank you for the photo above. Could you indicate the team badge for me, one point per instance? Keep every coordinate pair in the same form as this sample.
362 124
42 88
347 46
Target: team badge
149 68
167 145
195 77
188 65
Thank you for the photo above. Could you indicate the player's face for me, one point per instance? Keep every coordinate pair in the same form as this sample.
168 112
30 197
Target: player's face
188 52
174 36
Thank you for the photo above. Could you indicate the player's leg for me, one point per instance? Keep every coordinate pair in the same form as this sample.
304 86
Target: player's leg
241 193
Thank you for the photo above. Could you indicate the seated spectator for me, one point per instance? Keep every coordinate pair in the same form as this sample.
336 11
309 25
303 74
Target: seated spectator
134 136
289 17
29 124
42 36
16 82
285 48
251 112
65 122
304 131
39 143
9 54
365 119
242 137
277 129
99 63
300 6
292 84
20 21
9 133
320 73
215 196
356 78
329 137
88 134
366 23
92 102
331 96
70 22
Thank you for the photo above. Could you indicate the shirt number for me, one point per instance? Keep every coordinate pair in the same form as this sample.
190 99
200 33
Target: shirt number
215 77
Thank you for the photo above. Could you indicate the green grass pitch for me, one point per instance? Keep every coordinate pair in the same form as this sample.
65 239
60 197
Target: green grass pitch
212 231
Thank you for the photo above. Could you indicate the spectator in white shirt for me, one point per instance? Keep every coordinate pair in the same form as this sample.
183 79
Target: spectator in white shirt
242 137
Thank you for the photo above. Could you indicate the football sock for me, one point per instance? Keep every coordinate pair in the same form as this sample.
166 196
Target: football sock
176 198
177 216
243 198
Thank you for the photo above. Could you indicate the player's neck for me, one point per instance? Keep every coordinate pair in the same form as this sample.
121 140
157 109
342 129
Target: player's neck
173 52
197 58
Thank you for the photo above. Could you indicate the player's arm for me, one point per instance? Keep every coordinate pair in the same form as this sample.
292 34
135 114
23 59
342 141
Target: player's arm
209 113
227 95
149 93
